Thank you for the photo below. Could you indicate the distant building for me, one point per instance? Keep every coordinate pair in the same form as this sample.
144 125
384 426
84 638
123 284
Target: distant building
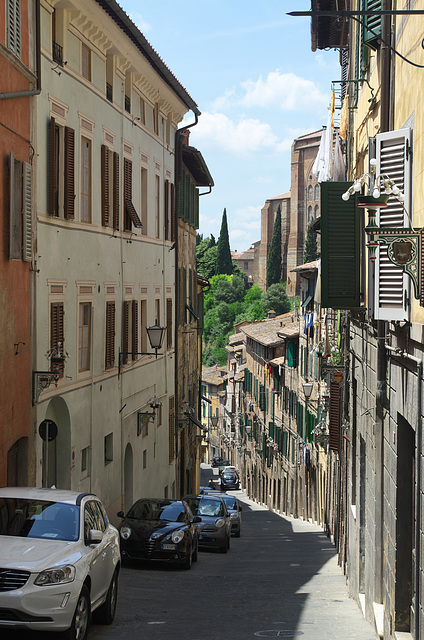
245 261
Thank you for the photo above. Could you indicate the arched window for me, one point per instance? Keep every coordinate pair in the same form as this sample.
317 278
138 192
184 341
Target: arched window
317 192
309 214
310 193
316 211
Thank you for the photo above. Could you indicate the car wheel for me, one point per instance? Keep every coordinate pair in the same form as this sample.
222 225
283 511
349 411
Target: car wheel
196 551
225 547
79 627
188 561
106 612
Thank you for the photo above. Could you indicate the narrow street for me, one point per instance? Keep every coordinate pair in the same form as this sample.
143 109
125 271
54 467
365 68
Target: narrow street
279 579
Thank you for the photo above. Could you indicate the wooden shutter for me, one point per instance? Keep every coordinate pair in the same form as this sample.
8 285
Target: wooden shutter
373 23
115 190
131 214
57 333
15 224
69 187
27 211
173 220
334 416
340 248
105 185
392 286
110 335
125 331
169 323
134 335
14 26
52 169
171 427
167 206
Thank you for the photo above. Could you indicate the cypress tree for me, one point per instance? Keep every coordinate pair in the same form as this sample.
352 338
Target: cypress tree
224 263
311 248
273 265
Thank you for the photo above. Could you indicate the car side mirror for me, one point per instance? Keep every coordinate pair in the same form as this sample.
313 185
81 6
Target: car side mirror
94 536
197 519
120 514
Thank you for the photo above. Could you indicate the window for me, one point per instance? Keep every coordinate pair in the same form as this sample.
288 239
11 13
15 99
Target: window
171 424
157 206
142 111
144 458
62 171
143 326
310 191
169 323
317 192
13 26
157 311
168 209
130 330
85 180
128 90
110 76
108 443
309 214
85 461
20 210
143 200
246 266
156 118
316 211
85 62
84 336
57 334
131 215
110 335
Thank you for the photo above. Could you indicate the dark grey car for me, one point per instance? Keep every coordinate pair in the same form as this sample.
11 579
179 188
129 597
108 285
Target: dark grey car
234 509
215 525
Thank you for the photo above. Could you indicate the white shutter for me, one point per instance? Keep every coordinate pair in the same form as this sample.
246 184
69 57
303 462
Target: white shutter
392 286
27 211
15 209
14 26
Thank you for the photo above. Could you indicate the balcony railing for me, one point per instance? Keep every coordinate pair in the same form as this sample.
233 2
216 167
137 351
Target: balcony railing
109 92
58 54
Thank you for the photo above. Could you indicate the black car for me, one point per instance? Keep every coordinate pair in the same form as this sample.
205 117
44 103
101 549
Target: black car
229 480
217 461
215 521
234 508
159 529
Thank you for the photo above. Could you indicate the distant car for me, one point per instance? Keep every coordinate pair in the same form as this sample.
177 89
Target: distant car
217 461
229 480
222 465
159 529
215 525
59 559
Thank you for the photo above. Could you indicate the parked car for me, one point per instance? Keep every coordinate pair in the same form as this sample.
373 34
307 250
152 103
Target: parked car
222 465
216 461
234 508
59 559
215 525
160 529
229 480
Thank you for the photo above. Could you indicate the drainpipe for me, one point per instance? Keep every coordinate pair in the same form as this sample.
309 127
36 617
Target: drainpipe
37 91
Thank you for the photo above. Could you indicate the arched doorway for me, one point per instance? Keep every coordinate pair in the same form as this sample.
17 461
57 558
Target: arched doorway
128 477
58 458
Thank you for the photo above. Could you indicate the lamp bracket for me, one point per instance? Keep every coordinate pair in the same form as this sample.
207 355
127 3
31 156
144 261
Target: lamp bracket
123 354
41 380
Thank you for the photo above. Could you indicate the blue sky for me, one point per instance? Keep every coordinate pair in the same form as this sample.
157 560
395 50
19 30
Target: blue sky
258 85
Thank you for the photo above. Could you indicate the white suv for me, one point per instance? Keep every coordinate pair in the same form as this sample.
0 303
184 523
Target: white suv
59 561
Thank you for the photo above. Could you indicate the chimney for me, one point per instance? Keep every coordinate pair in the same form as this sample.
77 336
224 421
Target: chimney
185 135
271 314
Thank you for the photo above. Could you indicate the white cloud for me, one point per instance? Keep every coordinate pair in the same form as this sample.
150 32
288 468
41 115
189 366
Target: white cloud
244 137
139 22
284 90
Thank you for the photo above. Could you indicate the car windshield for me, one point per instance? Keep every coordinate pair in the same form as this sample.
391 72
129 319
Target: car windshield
205 507
157 510
30 518
229 476
230 502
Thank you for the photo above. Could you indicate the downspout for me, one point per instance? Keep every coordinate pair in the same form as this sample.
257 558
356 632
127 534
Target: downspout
37 90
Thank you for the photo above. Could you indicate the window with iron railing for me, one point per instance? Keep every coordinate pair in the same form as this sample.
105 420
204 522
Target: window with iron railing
57 53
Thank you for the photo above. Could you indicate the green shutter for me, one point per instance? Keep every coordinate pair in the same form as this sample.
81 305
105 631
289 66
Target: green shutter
340 248
373 23
291 354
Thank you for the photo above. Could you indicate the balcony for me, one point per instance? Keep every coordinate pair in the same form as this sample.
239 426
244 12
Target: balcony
57 54
109 92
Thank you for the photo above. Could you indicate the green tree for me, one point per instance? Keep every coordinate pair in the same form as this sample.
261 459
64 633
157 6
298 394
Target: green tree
273 265
276 298
224 263
311 248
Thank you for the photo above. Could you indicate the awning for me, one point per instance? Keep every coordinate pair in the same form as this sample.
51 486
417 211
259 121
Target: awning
307 301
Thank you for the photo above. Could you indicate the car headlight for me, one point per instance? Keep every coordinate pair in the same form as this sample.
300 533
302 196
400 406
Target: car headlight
125 533
219 523
233 516
56 575
177 536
